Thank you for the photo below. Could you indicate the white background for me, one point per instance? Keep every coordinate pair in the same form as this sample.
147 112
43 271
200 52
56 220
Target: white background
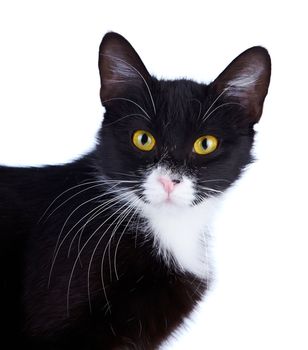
50 112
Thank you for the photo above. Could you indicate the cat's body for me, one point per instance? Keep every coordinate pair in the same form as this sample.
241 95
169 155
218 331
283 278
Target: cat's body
143 282
110 251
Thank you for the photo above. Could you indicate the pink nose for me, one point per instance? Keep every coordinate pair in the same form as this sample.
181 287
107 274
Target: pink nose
167 183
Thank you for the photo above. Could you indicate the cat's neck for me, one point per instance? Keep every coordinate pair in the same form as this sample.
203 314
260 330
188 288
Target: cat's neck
181 234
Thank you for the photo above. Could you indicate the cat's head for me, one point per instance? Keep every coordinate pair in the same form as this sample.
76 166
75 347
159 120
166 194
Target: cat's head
174 144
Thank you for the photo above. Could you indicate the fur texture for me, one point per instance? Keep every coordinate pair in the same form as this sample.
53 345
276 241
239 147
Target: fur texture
110 251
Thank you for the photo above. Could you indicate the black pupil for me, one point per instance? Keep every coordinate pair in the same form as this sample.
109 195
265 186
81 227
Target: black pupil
204 144
144 139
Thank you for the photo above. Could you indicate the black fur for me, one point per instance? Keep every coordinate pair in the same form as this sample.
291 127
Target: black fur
145 300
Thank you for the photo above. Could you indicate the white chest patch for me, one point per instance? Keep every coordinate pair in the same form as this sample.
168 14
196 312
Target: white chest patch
179 229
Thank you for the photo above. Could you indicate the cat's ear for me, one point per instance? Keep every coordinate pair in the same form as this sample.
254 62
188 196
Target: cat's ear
120 67
245 81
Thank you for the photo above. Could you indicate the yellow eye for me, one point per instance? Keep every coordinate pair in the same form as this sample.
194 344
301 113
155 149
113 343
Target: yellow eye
143 140
205 144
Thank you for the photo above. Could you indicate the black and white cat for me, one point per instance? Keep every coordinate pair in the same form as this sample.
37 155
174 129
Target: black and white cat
111 251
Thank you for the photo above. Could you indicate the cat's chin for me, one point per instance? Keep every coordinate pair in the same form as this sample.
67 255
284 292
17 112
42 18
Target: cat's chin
170 204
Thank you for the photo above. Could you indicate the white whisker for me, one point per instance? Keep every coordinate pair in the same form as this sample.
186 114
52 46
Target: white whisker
117 181
97 182
120 219
98 243
216 99
126 116
127 174
117 246
210 189
200 107
220 106
215 180
67 200
61 194
84 246
99 212
146 116
93 216
57 249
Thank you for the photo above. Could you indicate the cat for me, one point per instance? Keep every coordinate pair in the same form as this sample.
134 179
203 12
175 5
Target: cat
111 251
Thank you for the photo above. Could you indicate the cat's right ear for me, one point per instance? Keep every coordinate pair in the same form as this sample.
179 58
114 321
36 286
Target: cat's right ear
120 67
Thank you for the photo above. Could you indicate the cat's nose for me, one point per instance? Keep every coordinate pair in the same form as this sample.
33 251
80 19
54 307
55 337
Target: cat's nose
168 183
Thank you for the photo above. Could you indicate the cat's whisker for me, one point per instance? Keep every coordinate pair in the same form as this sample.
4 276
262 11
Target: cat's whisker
58 243
85 245
126 116
94 215
118 217
163 156
61 194
117 181
70 198
99 212
214 180
137 71
200 106
210 189
97 184
128 174
97 209
78 207
123 232
119 220
146 116
198 199
213 103
57 249
220 106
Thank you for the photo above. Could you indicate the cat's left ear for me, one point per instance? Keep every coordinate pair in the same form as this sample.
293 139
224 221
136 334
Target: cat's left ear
120 67
245 81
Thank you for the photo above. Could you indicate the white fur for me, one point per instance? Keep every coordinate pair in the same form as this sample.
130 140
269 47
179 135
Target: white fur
124 70
179 228
244 82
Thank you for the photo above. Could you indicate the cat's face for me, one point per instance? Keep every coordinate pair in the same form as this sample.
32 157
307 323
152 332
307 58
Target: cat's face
181 153
174 145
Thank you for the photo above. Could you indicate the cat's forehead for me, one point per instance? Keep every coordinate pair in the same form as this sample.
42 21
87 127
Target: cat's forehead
180 92
179 101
